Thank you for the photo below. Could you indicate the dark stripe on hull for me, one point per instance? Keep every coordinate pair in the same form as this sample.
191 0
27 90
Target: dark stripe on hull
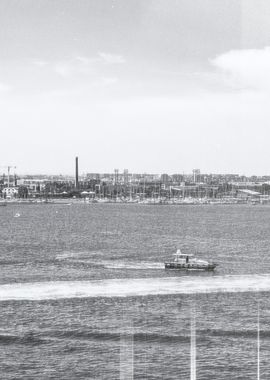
189 266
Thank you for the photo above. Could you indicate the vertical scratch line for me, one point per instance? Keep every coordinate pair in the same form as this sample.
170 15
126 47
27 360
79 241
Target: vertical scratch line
258 341
126 353
193 344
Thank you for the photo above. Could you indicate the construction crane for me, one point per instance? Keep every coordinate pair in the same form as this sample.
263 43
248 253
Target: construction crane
8 170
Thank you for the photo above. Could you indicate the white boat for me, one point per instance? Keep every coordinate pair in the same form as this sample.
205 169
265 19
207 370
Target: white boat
184 261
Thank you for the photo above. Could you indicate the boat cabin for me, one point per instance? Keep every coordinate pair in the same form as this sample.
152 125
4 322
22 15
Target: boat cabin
182 257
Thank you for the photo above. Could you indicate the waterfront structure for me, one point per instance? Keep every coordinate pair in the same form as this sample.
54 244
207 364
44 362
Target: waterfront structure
8 167
10 192
145 187
33 185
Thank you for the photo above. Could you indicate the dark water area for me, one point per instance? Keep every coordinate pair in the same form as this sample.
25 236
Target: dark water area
57 337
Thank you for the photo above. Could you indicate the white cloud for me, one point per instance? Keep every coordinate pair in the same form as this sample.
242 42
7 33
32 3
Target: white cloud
80 64
84 60
40 63
5 87
248 68
111 58
108 81
63 68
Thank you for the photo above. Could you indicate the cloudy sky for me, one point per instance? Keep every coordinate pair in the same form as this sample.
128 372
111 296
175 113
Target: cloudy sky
149 85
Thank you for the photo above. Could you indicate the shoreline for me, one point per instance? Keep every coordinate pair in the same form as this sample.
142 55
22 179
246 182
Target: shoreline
188 202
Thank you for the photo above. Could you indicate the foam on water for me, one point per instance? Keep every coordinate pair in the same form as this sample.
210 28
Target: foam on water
71 255
133 287
132 265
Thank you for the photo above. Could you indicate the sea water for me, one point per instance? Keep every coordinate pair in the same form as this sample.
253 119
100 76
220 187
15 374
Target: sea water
77 281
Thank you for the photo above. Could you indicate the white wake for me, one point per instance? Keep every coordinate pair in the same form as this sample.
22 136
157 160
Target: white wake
134 287
142 265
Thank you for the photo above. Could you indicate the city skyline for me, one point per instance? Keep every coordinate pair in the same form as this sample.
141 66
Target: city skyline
172 86
121 171
195 174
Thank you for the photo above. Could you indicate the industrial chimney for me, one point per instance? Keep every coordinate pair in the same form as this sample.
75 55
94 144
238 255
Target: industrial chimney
76 173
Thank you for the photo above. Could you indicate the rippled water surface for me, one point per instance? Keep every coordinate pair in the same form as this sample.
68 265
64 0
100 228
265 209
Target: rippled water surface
82 285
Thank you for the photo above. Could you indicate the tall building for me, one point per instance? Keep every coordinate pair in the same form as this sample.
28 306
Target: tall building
165 178
196 175
116 176
126 176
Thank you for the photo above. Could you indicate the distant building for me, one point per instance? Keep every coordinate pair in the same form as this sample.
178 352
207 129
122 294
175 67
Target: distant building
33 185
116 176
126 176
196 175
165 178
95 176
177 178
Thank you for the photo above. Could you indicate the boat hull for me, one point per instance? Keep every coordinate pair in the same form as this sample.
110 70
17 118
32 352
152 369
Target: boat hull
178 266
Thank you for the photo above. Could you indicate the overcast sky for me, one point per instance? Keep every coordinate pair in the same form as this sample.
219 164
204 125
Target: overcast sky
148 85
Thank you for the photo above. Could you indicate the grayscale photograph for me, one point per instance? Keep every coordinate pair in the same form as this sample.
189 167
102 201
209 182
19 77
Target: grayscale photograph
134 189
